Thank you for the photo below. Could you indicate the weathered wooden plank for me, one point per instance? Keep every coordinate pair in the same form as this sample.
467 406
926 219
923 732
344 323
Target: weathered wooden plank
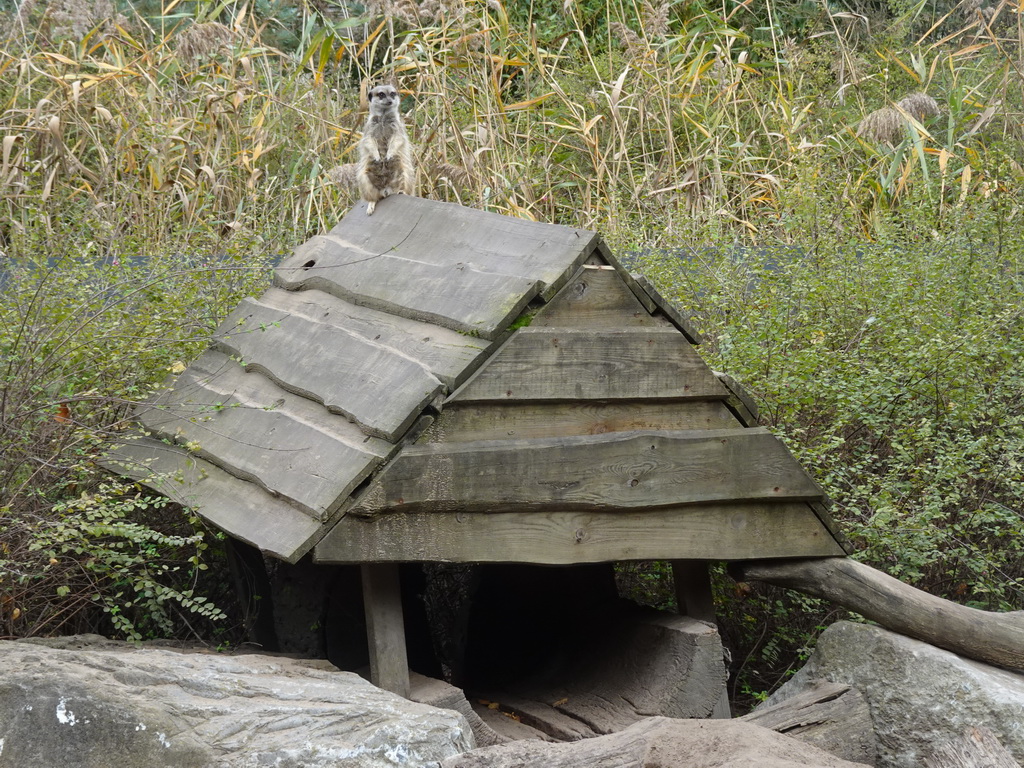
680 321
375 386
499 421
616 471
253 429
739 401
596 297
468 269
240 508
385 628
451 294
642 296
693 589
570 364
649 295
823 510
441 233
710 532
445 353
831 716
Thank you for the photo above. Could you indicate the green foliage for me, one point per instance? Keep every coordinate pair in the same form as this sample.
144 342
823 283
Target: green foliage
105 549
647 583
83 336
895 374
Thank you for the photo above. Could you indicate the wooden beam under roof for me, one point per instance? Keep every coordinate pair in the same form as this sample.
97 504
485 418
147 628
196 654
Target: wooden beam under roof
701 532
615 471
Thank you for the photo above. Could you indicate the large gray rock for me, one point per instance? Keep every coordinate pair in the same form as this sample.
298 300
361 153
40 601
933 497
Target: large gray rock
660 742
111 705
920 696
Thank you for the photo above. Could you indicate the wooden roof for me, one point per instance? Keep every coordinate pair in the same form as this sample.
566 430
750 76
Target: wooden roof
441 383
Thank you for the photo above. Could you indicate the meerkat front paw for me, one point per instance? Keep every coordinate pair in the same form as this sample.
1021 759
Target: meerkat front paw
369 207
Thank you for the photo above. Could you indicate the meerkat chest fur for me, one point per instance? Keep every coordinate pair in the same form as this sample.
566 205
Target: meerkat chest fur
381 128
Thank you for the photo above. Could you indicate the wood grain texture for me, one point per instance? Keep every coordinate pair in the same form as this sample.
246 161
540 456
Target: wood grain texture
453 295
615 471
995 638
823 510
380 389
569 364
442 233
500 421
447 354
253 429
739 401
682 322
831 716
595 298
457 267
708 532
385 628
978 747
605 253
648 294
240 508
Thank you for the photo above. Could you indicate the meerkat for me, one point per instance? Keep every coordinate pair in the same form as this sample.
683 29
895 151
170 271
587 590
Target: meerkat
385 153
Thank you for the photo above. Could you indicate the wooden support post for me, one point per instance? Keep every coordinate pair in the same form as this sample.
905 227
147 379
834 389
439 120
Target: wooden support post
694 598
385 628
693 589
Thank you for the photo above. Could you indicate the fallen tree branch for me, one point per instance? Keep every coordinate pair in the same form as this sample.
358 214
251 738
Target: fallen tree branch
996 638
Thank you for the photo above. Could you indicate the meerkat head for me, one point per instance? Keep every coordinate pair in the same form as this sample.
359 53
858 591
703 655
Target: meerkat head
383 98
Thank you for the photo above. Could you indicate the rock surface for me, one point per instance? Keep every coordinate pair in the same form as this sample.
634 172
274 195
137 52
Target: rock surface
660 742
920 696
106 704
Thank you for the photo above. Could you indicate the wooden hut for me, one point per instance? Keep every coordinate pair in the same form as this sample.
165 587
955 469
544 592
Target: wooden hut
437 383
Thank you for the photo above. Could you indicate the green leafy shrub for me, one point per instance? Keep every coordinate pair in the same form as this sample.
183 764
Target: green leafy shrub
82 339
895 375
105 550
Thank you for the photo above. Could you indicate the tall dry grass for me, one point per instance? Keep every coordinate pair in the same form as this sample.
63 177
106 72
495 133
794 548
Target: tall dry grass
664 125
